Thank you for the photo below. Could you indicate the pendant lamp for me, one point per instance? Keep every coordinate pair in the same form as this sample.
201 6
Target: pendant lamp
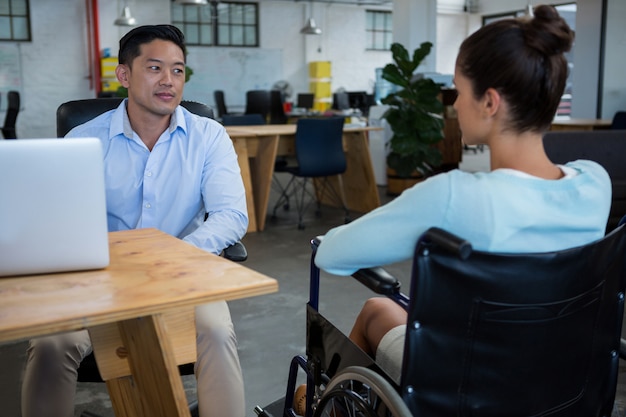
310 28
125 19
196 2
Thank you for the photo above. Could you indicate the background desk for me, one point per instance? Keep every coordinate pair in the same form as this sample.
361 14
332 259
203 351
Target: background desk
151 273
258 146
581 124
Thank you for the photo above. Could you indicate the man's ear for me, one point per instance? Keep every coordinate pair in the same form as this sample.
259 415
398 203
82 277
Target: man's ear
491 101
123 74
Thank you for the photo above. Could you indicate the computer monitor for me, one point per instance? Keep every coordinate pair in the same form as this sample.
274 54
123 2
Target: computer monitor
305 100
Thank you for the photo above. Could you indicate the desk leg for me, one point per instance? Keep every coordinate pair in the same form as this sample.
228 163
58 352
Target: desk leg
125 398
359 183
262 171
244 165
155 389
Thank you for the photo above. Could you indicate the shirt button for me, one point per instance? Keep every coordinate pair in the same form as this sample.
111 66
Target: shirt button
149 174
148 205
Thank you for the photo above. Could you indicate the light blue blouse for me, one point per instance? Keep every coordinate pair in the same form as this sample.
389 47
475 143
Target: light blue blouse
498 211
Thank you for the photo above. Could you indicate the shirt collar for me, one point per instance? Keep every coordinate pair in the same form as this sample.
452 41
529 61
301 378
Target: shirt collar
120 123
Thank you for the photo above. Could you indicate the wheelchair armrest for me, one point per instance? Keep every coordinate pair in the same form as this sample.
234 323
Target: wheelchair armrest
622 348
236 252
378 280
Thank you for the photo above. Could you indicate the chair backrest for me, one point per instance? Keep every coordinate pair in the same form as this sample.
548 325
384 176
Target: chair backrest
258 102
513 334
10 119
319 146
606 147
277 111
220 103
243 120
341 101
73 113
619 120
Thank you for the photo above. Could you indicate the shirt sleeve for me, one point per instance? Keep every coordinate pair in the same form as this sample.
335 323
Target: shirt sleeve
387 234
224 198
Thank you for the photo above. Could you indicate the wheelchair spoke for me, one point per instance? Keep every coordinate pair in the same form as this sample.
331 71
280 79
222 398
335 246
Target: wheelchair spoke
360 392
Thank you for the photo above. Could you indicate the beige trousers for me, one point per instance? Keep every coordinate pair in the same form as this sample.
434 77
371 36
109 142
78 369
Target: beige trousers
49 383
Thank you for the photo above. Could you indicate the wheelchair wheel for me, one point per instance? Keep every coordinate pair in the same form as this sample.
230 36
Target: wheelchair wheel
360 392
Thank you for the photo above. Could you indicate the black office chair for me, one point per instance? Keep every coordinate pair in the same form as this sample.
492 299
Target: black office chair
619 121
220 103
341 101
76 112
243 120
319 155
488 334
277 111
10 119
258 102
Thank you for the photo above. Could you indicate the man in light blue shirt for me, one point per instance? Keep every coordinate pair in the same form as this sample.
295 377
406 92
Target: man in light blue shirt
167 169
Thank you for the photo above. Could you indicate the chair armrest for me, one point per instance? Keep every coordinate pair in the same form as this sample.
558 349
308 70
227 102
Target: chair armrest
236 252
378 280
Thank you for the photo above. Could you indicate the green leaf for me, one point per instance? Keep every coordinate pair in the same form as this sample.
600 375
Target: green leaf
421 53
415 115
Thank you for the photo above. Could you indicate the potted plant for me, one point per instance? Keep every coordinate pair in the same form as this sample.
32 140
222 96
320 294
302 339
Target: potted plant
415 117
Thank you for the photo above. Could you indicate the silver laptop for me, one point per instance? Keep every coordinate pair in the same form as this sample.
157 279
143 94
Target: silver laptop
52 206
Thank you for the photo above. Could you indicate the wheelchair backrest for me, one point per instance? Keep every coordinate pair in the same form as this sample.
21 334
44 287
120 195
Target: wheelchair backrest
514 334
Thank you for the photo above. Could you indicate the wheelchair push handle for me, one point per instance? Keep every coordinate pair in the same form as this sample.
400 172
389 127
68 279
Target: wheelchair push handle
447 241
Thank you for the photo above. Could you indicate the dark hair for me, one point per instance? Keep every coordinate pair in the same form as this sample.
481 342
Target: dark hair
523 60
131 42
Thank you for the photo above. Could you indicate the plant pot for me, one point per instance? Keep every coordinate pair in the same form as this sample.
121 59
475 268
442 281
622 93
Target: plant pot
396 184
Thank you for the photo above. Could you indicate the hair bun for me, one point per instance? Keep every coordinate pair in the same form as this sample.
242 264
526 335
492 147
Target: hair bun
548 32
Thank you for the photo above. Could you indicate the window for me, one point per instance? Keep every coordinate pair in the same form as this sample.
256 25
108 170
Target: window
218 24
14 20
379 30
567 12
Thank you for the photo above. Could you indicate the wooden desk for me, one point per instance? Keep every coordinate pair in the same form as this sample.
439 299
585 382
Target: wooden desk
581 124
151 274
258 146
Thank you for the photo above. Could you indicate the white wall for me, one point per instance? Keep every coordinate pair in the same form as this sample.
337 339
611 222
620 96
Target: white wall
55 68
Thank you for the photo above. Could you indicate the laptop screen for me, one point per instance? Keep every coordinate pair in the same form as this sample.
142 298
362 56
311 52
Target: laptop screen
52 207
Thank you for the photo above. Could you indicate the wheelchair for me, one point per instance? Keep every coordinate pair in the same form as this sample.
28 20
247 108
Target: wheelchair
488 334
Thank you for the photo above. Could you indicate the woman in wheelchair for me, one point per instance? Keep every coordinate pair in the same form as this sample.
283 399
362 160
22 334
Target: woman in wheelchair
510 76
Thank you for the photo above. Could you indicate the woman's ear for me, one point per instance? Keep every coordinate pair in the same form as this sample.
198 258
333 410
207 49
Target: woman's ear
123 74
491 101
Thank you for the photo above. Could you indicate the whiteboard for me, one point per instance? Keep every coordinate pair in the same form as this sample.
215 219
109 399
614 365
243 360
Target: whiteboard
233 70
10 71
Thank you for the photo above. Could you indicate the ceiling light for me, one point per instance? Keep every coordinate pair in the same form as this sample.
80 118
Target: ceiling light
125 19
197 2
311 28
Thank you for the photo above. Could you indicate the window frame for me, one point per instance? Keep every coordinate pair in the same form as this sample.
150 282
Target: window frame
12 16
237 31
373 33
